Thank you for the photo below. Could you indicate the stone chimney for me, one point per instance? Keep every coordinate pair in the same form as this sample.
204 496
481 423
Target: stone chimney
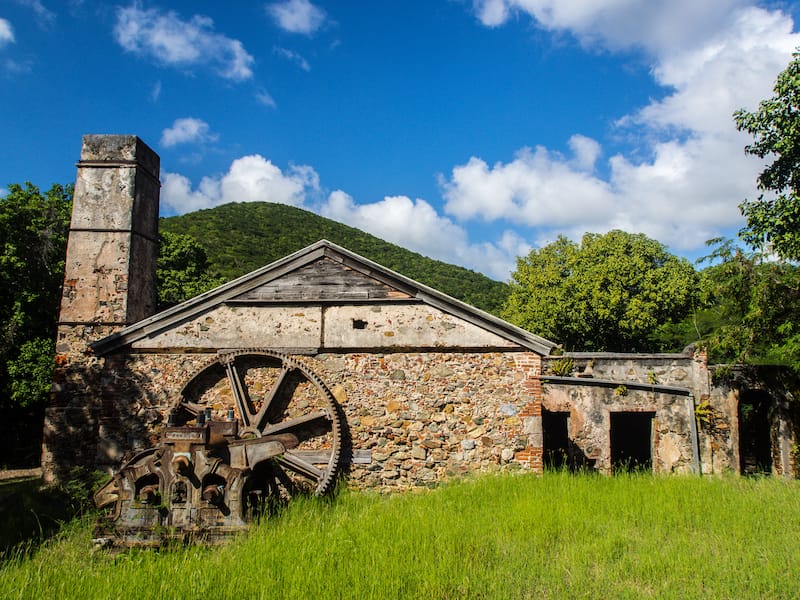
109 282
113 240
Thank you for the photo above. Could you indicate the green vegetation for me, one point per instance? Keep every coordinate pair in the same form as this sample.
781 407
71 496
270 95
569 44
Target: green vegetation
611 292
556 536
241 237
773 224
752 307
32 513
33 241
183 269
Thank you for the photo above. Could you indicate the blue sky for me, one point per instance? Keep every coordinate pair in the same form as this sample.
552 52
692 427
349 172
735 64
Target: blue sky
467 130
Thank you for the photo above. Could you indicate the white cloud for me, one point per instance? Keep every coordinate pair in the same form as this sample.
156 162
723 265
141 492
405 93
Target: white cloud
187 130
398 219
250 179
297 16
656 26
415 224
710 57
172 41
492 12
293 57
537 188
6 33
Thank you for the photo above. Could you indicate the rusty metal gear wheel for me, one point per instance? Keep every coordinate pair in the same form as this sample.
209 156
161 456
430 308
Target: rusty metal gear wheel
271 395
252 429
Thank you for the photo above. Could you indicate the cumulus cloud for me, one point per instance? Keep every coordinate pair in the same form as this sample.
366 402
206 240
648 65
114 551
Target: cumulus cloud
297 16
398 219
185 131
616 24
250 178
710 57
415 224
6 33
537 188
173 41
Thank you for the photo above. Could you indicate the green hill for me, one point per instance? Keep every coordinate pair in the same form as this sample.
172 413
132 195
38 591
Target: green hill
241 237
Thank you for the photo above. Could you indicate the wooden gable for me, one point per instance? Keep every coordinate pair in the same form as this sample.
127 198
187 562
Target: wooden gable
322 280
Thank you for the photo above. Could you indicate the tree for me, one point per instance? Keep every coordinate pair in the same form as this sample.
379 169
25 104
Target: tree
773 224
33 239
757 305
610 293
182 270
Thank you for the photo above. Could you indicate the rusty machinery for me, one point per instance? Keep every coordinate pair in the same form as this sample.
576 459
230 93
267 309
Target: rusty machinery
252 428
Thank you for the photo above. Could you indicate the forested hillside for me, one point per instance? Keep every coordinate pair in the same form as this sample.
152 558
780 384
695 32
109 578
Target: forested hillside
241 237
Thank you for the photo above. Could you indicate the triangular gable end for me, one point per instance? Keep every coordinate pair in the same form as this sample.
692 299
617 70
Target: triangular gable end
324 279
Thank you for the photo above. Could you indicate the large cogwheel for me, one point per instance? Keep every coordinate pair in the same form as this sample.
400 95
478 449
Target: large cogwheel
276 396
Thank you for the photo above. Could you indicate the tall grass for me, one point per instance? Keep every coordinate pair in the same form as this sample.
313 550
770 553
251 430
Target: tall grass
557 535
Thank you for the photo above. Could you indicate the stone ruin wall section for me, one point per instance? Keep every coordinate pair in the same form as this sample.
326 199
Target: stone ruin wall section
422 417
669 385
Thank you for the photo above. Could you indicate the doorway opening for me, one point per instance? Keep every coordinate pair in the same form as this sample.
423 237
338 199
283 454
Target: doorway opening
555 426
755 443
632 441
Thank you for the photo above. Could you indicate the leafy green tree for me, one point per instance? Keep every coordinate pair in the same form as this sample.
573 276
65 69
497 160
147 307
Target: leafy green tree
182 270
608 293
33 238
773 224
757 305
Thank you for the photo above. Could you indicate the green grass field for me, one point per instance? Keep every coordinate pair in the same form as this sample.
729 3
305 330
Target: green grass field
551 536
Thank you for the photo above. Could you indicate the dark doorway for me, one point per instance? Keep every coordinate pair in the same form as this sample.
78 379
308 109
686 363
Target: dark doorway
555 427
632 441
755 443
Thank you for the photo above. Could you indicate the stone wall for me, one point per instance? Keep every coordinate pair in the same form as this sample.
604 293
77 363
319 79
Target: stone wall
429 416
417 418
668 386
420 417
778 389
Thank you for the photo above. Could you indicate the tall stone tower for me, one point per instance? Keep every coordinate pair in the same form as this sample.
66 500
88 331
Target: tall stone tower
109 283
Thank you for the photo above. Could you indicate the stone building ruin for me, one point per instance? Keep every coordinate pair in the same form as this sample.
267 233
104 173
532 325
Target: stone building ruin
427 387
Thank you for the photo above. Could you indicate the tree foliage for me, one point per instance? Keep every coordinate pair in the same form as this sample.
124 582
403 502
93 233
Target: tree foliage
33 241
608 293
757 305
773 223
33 238
182 270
